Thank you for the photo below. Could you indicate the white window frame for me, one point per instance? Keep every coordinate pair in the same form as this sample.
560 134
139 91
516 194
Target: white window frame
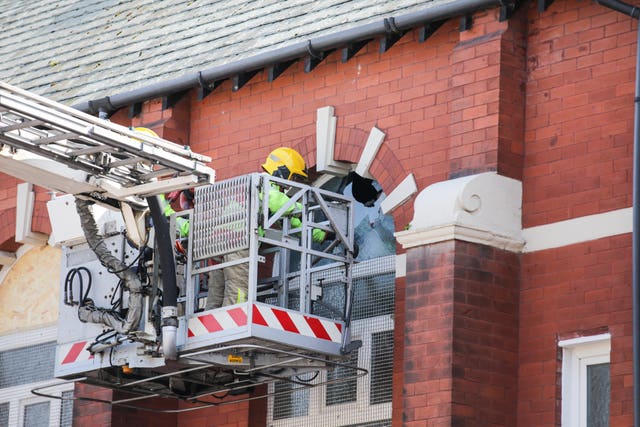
20 396
577 355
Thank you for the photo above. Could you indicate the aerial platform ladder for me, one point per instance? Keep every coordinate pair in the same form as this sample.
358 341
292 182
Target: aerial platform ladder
57 147
294 318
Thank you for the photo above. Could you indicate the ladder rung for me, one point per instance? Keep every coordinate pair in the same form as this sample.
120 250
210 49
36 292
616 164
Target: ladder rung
55 138
20 125
158 173
91 150
126 162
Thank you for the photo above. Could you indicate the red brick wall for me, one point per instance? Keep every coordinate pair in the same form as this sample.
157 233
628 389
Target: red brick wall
461 336
485 335
228 415
453 106
88 413
428 336
163 412
438 103
157 412
579 112
577 290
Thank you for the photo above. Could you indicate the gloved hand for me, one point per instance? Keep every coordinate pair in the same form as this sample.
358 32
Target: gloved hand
329 236
356 250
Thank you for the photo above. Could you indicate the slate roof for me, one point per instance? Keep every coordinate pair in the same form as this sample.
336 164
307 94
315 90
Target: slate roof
78 50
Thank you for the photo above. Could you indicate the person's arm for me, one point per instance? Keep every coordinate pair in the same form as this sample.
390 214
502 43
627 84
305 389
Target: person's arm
277 199
181 223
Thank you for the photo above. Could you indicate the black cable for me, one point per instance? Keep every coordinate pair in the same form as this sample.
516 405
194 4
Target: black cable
117 303
310 379
68 286
126 267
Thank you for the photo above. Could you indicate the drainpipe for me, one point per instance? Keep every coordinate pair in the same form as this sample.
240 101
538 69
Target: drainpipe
634 12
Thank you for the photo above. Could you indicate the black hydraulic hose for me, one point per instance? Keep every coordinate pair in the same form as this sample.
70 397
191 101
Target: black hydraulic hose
164 242
85 312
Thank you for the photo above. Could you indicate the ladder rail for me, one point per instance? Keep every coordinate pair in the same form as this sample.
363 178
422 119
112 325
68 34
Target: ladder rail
66 112
133 143
116 158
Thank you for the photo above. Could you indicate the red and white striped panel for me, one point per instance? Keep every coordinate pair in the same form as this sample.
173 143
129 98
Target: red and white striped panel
75 352
217 321
297 323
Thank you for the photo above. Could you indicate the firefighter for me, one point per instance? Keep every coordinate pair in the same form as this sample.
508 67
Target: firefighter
166 202
229 285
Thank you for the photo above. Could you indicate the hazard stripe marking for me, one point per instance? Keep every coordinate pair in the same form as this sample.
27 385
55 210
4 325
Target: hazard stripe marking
270 317
217 321
286 322
210 323
74 352
257 317
317 328
297 323
239 316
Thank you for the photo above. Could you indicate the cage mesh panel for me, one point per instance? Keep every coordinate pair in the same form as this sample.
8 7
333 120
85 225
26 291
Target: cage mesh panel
37 415
343 391
27 364
374 298
292 400
384 423
66 410
4 414
381 365
221 218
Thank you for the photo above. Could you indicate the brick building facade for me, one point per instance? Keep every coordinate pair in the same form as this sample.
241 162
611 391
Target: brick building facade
543 99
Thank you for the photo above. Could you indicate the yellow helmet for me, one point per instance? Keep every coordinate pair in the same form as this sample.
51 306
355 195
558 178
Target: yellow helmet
285 163
146 131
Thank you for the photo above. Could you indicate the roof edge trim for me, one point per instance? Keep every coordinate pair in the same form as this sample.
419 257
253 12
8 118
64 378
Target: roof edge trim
437 12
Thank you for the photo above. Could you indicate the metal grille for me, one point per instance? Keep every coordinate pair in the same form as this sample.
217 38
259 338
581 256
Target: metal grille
344 391
221 217
37 415
66 410
361 402
27 364
4 414
381 363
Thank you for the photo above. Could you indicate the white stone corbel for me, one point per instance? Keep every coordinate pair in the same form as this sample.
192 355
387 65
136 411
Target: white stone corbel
25 200
484 208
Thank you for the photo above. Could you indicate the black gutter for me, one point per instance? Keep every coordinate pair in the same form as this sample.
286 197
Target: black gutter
634 12
438 12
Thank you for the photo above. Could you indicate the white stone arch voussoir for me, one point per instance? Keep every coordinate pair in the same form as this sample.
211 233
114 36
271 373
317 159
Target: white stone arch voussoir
325 163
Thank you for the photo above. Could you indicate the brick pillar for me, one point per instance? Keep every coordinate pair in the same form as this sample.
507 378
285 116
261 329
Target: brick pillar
461 304
92 413
172 123
428 336
461 335
156 412
486 106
